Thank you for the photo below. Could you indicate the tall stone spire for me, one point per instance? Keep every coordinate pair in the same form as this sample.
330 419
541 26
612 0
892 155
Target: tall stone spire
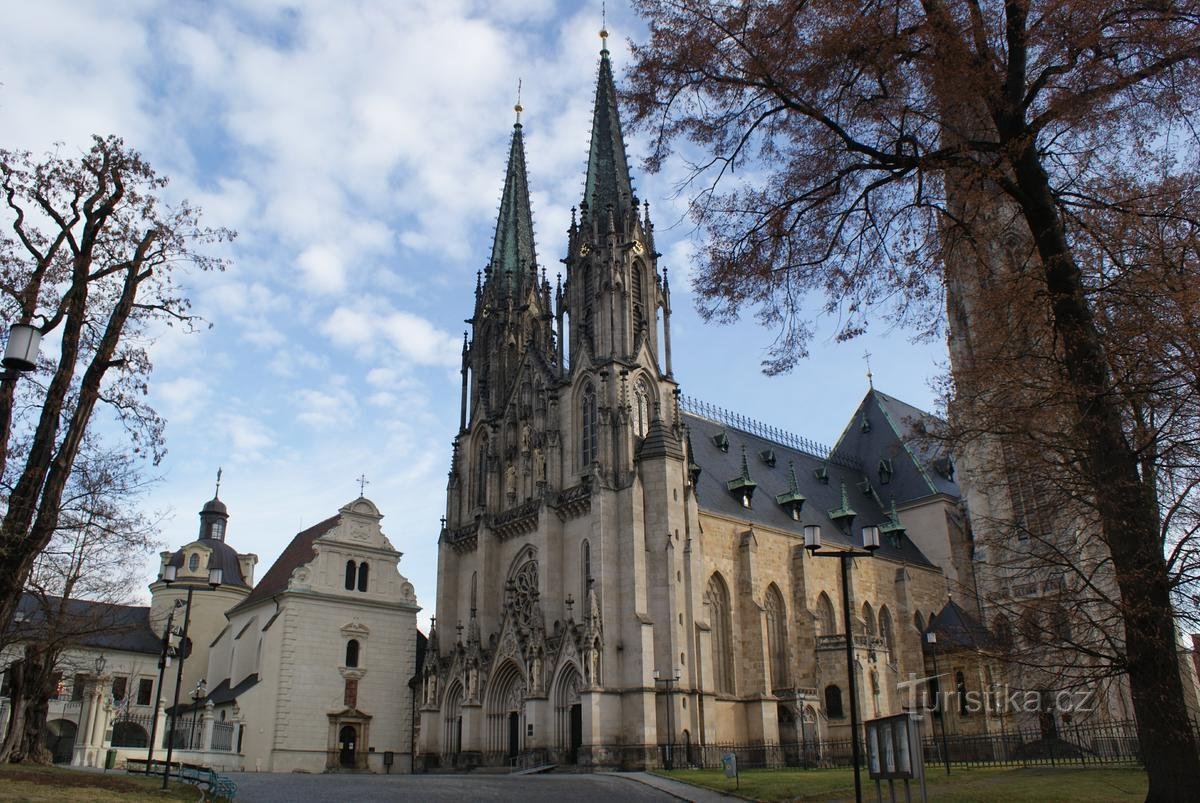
513 253
608 168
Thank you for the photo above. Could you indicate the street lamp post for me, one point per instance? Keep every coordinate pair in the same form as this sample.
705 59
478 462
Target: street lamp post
931 638
669 681
169 575
164 660
197 694
812 542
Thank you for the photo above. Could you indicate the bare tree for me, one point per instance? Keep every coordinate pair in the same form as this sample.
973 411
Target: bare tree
91 257
893 143
78 589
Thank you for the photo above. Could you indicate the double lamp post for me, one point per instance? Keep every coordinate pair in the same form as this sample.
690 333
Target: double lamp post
812 542
170 574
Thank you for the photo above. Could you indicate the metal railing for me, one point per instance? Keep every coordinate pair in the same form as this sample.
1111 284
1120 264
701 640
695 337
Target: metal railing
1101 743
222 737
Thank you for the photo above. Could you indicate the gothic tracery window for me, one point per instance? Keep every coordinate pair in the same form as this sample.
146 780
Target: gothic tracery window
826 622
589 438
722 634
777 637
481 475
885 628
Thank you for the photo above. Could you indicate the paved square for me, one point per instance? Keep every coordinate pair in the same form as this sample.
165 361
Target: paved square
343 788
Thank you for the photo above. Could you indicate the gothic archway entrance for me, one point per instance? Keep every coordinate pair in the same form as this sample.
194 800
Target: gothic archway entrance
347 747
505 710
568 712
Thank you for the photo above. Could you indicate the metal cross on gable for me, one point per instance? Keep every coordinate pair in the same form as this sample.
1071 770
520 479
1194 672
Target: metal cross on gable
363 482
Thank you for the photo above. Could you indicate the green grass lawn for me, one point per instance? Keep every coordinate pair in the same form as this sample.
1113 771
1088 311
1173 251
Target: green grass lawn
968 785
41 784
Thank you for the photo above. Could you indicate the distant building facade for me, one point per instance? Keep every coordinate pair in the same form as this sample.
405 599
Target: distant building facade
309 669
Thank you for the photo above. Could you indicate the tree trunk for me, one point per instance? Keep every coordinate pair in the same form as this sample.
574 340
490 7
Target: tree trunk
1129 520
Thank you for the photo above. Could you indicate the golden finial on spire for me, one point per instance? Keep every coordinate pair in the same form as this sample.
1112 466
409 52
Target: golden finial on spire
604 24
870 379
518 108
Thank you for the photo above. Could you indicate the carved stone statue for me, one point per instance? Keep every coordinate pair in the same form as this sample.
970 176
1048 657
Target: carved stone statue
539 465
472 682
526 438
535 672
433 688
510 480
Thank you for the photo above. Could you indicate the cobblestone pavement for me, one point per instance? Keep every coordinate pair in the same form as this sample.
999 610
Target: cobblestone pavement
559 788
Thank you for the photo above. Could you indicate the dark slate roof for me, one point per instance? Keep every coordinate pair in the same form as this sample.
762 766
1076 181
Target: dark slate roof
513 253
422 644
223 555
296 554
223 693
97 624
718 467
608 168
896 432
214 505
957 628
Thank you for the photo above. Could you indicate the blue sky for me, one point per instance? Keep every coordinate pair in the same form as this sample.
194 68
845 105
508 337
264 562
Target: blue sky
359 150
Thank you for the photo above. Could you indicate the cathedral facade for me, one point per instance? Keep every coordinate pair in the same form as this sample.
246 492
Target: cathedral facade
622 567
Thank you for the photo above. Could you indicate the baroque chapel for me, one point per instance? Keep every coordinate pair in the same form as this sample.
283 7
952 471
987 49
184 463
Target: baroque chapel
622 567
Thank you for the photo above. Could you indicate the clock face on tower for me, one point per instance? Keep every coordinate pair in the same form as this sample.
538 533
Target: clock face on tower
638 248
584 250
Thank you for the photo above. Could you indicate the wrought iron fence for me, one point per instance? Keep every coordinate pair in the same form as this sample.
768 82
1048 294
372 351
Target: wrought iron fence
222 738
131 731
186 736
1106 743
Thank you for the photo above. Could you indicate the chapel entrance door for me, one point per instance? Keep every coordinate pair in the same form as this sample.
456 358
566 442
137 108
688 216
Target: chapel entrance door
514 734
347 737
576 732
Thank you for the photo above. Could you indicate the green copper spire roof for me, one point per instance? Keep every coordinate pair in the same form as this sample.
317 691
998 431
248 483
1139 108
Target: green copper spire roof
608 168
791 500
845 511
512 250
893 524
742 486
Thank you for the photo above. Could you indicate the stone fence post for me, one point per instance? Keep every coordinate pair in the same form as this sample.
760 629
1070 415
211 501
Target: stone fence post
206 736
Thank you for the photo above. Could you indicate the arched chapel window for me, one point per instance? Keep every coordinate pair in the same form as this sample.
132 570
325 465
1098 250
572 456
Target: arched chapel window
589 438
869 619
352 653
722 634
481 476
351 574
777 637
826 622
363 575
885 627
641 408
833 702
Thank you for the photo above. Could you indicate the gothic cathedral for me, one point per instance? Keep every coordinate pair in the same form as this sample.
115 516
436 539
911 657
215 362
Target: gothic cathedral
622 567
